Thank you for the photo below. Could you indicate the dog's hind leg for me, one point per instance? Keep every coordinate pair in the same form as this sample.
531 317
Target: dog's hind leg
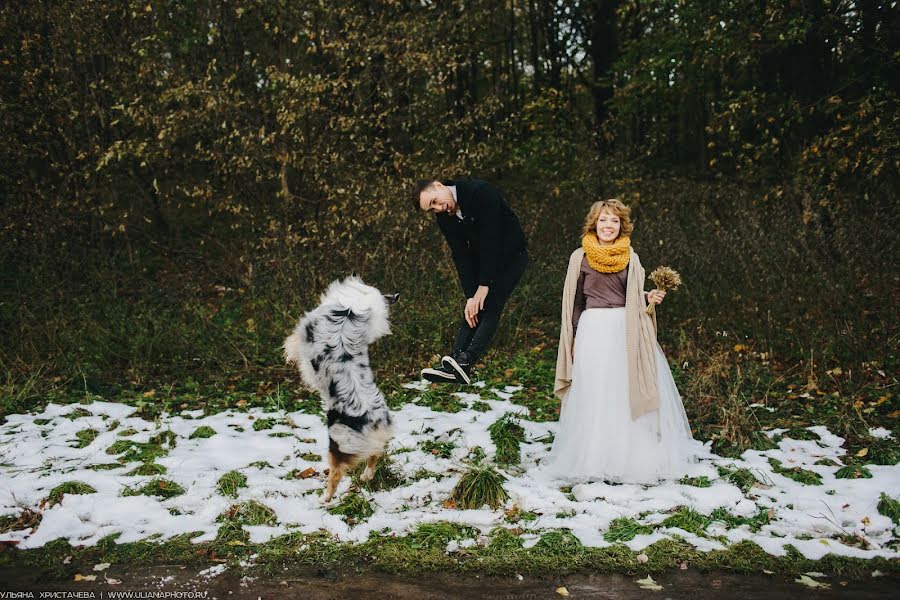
338 464
371 463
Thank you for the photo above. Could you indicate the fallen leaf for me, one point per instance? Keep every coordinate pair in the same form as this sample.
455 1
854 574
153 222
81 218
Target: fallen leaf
808 582
235 543
862 452
67 560
101 567
649 584
642 558
739 347
150 394
449 503
771 514
80 577
307 473
562 591
111 581
866 522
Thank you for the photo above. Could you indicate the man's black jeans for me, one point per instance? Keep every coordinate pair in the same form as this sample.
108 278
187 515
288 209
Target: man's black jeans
473 341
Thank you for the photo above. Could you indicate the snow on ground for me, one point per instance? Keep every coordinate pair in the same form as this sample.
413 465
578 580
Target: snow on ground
38 453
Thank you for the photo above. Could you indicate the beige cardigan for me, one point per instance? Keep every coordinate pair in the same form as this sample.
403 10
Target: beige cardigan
640 338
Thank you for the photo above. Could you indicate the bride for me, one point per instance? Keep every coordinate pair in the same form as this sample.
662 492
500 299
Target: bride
622 419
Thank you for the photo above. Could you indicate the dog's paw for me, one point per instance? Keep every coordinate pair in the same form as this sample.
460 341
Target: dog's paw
367 475
325 500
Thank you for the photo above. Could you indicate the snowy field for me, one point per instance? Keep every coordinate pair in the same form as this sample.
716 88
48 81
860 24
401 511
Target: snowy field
69 443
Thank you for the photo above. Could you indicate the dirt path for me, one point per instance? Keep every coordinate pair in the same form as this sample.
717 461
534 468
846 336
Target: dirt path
192 582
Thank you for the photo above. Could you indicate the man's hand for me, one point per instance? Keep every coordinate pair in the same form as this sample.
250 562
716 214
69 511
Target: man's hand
475 304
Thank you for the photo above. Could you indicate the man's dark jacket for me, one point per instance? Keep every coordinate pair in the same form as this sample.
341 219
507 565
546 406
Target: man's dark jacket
486 239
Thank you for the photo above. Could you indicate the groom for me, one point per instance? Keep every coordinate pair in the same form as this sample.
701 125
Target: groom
490 253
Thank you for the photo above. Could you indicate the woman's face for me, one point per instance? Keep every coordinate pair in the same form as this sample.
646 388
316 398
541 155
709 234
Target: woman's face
608 227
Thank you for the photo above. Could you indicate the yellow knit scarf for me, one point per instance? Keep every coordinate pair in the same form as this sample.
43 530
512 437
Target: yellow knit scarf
606 259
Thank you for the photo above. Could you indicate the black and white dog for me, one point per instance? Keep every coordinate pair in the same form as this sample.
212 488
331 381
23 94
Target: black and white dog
330 345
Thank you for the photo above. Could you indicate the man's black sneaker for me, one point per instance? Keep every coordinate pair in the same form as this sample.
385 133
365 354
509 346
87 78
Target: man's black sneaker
441 374
459 365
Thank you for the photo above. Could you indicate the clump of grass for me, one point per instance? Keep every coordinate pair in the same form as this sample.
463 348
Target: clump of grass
162 488
230 482
27 519
702 481
796 473
442 449
137 451
148 469
826 462
889 507
261 424
507 434
204 431
85 437
165 438
853 472
385 476
743 478
799 433
78 413
127 431
69 487
624 529
426 474
480 485
689 520
516 514
560 542
440 399
480 406
353 508
310 456
755 522
882 451
249 513
104 467
439 534
260 464
281 434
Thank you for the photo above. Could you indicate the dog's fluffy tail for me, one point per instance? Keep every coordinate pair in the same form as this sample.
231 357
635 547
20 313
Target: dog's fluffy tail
293 348
361 444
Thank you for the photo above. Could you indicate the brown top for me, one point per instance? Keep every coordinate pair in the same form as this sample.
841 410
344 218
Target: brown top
598 290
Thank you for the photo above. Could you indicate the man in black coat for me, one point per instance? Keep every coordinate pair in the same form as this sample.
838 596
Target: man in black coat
490 253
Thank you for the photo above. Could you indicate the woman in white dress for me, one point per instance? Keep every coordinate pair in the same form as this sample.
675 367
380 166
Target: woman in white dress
622 419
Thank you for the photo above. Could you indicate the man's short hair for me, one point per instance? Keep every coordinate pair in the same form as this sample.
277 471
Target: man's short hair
420 186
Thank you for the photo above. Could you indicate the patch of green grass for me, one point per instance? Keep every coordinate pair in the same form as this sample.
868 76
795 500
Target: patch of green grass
385 476
516 515
882 451
624 529
130 451
755 522
281 434
69 487
260 464
249 513
104 467
743 478
148 469
353 507
702 481
507 434
480 406
799 433
426 474
566 514
441 399
165 438
853 471
261 424
162 488
689 520
560 542
41 421
798 474
826 462
85 437
441 449
310 456
78 413
230 482
439 534
889 507
127 431
480 485
204 431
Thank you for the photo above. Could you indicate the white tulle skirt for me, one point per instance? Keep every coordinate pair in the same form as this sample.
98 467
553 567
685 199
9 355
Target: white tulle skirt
597 438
